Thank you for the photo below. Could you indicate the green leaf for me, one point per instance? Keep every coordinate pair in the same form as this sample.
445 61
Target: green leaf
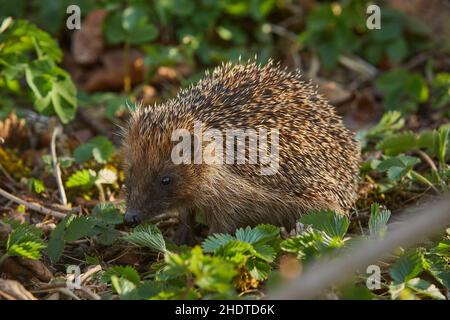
84 179
105 214
265 252
56 243
126 272
147 235
216 241
425 288
108 236
122 286
333 224
441 90
36 185
258 269
101 148
210 273
390 30
396 173
397 50
130 26
397 167
306 245
406 141
26 249
407 267
53 91
378 220
439 268
78 228
258 234
25 241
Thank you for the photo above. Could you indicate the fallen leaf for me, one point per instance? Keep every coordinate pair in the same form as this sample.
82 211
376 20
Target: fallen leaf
22 268
13 290
88 43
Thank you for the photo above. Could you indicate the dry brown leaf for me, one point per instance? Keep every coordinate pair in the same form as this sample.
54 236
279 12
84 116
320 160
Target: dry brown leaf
14 132
5 230
114 69
13 290
22 268
88 43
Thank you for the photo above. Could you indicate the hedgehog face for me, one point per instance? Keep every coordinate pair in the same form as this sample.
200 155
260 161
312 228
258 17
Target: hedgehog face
154 184
153 192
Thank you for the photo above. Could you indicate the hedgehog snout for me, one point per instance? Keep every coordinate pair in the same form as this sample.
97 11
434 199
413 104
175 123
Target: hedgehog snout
132 217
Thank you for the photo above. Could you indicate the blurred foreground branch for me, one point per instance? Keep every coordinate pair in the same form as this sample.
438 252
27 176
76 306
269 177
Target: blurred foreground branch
412 229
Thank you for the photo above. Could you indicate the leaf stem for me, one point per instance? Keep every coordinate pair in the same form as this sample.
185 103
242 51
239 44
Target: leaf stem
420 178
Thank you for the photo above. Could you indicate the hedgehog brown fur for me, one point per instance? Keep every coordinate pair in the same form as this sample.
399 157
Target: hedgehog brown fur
318 157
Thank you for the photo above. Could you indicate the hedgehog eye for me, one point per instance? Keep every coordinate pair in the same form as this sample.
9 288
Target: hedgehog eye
165 180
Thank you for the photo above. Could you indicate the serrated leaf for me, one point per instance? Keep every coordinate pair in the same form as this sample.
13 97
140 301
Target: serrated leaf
83 178
378 220
22 233
304 245
126 272
237 251
26 249
147 235
122 286
78 228
335 225
24 240
216 241
108 236
106 213
249 235
425 288
396 173
407 267
258 269
439 268
55 246
265 252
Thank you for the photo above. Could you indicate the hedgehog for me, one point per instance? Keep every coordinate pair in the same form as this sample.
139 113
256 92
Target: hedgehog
317 157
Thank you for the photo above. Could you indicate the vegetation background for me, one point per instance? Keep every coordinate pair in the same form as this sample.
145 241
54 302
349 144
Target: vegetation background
63 92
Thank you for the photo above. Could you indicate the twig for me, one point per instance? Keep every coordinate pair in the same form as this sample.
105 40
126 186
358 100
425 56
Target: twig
33 206
427 159
88 274
91 295
358 65
101 192
56 168
325 273
8 176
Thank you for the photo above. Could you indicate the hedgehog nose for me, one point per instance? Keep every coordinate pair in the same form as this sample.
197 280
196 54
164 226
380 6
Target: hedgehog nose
131 217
